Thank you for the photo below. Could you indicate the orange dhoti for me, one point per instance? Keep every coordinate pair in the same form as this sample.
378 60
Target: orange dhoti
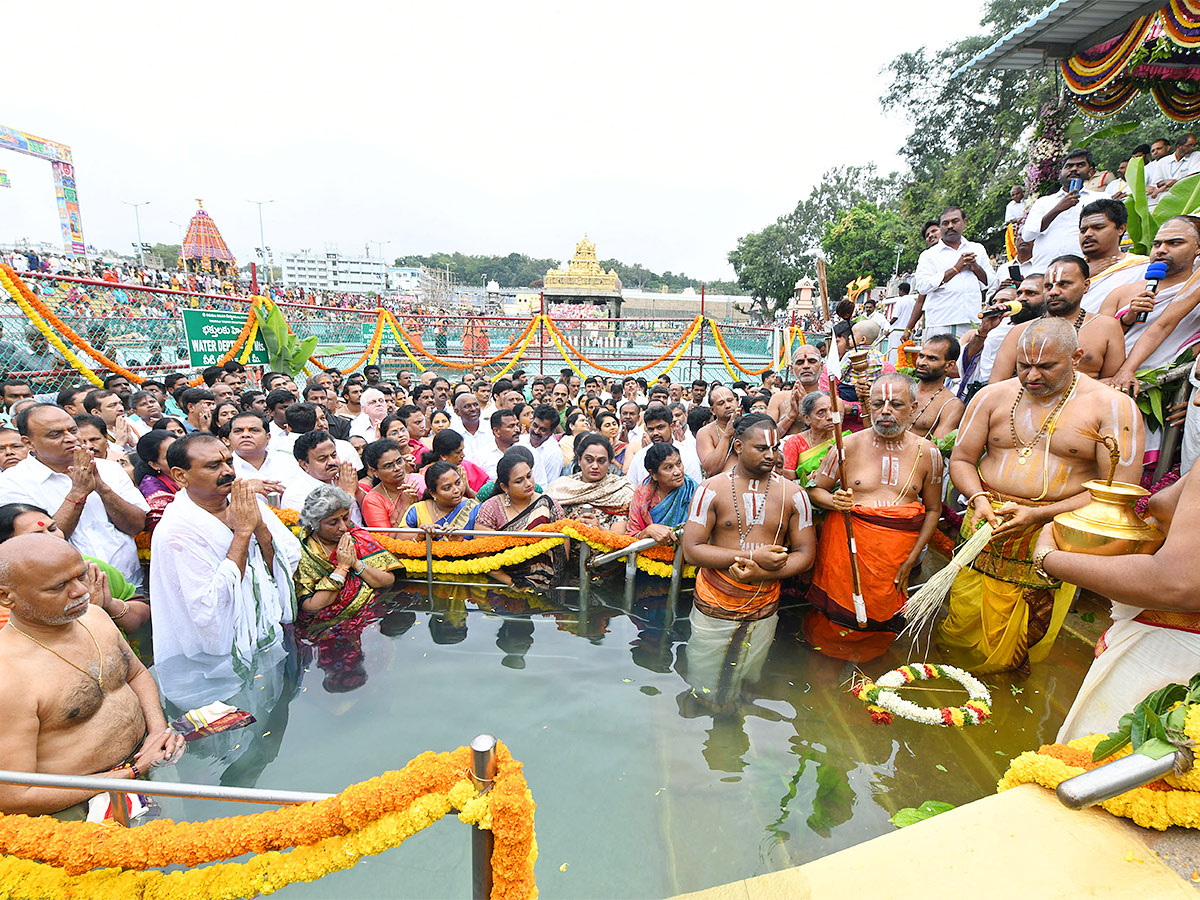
723 598
884 537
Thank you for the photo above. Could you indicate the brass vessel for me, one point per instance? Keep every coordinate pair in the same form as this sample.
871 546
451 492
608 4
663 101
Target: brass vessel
1108 525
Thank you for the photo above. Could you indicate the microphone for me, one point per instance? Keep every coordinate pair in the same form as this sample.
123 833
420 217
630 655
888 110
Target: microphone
1155 272
1004 309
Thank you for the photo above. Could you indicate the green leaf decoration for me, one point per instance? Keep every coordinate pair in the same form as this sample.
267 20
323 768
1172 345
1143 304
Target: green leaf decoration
1156 748
927 810
1141 224
1182 198
1103 134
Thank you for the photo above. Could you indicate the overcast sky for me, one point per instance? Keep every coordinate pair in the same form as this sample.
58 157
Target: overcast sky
664 130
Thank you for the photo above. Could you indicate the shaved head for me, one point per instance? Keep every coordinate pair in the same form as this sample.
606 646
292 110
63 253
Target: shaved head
41 579
1057 335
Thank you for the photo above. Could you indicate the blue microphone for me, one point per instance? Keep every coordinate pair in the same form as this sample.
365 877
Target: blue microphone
1155 272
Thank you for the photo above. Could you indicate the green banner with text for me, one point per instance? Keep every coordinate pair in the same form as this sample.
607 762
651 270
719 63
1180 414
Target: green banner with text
210 333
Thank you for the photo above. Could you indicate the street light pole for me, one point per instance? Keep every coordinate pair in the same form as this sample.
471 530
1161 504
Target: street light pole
138 221
896 271
379 245
262 241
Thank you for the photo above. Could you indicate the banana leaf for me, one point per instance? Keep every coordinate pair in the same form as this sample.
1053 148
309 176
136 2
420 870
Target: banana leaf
1181 199
1141 226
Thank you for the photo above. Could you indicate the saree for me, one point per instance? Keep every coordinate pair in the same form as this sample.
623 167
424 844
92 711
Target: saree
458 518
884 537
159 490
610 496
542 570
1003 615
670 511
312 575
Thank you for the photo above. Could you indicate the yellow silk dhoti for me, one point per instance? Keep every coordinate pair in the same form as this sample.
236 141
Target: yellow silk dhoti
1002 614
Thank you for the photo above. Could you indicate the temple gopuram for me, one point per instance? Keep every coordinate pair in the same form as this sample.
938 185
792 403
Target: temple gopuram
584 281
204 250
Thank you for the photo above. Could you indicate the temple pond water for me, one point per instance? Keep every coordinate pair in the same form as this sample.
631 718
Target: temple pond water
647 785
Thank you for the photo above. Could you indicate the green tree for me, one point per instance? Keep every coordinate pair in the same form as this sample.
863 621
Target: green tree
765 265
863 242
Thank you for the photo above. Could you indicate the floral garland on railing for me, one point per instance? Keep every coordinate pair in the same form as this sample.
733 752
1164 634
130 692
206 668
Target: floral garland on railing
723 346
47 333
453 365
1173 800
591 362
372 345
84 859
63 329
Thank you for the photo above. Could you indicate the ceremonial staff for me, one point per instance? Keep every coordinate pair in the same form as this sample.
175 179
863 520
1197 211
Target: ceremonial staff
833 366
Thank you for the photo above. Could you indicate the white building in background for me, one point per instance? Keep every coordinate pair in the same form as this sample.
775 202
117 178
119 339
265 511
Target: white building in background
405 279
330 271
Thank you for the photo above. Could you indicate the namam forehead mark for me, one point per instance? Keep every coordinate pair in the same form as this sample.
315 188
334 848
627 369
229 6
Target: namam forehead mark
772 437
1030 345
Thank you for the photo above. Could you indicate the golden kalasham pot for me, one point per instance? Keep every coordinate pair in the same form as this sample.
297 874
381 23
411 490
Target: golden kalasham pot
1108 525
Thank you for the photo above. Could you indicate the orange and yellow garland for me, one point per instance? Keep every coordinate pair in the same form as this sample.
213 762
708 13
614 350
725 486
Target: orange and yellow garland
84 859
595 365
727 354
453 365
1173 800
46 332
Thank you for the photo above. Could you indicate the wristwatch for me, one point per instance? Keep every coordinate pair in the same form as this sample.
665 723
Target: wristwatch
1039 558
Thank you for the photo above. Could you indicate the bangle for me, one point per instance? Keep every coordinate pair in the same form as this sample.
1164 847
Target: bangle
976 496
137 773
1039 560
124 609
337 578
361 568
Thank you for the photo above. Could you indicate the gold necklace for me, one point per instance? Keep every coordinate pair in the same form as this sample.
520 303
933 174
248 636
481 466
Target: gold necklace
99 656
1025 450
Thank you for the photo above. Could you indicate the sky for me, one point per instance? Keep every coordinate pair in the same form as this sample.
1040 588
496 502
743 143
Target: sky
663 130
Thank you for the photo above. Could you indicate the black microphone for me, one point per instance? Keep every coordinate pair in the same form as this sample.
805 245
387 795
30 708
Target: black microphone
1004 309
1155 272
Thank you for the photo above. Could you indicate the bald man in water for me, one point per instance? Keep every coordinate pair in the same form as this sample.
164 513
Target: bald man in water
1022 457
74 699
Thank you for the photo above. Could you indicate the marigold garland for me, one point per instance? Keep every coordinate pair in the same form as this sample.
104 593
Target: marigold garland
453 365
1157 805
724 347
103 861
512 362
46 332
45 312
372 345
393 325
591 362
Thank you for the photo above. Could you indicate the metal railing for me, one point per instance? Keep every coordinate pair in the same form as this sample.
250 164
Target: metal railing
483 772
1173 434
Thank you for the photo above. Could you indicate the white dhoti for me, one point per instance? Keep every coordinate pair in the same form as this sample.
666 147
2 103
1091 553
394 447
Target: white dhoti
724 654
1138 658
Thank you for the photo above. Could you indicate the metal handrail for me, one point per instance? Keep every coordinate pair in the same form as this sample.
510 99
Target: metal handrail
483 772
162 789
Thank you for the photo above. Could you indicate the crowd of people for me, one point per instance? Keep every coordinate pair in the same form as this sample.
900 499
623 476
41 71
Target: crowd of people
1020 393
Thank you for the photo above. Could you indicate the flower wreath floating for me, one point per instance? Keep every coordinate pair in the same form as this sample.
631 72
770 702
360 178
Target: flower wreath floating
884 703
41 857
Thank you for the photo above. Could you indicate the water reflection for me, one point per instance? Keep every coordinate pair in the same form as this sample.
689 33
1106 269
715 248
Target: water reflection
678 720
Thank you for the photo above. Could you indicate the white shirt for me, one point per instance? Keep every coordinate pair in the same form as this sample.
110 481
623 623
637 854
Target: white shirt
1103 284
304 484
1013 211
1171 169
547 459
991 346
687 453
1116 186
284 442
1062 235
957 301
204 607
475 445
32 481
487 456
276 467
360 426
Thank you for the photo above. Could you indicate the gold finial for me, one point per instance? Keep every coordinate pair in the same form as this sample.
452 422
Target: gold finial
200 203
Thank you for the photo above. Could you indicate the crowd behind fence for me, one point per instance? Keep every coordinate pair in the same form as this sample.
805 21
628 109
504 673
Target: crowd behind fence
141 328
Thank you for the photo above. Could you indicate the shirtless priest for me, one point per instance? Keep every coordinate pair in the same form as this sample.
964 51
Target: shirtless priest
1022 457
894 495
74 699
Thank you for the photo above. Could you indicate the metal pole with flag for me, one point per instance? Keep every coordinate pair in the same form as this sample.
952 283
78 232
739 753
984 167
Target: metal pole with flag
833 367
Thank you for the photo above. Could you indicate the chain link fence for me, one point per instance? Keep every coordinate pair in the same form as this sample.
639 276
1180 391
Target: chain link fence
142 330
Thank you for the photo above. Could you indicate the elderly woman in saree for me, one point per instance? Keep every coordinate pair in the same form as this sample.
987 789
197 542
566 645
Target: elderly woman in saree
804 452
341 565
607 492
660 503
517 507
443 508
